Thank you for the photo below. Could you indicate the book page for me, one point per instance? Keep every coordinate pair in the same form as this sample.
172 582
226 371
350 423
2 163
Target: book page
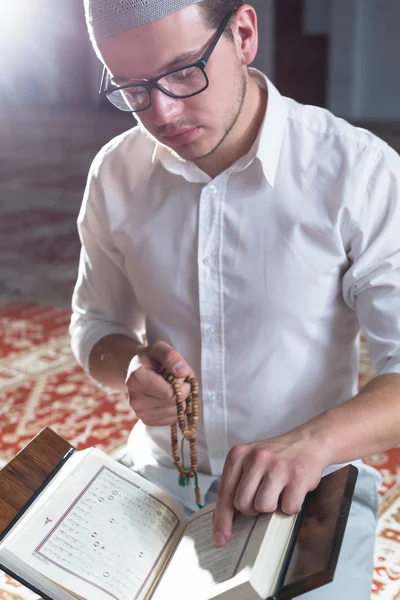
104 534
200 570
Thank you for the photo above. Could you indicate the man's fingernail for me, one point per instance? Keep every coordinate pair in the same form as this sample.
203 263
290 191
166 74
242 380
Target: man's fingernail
220 539
180 368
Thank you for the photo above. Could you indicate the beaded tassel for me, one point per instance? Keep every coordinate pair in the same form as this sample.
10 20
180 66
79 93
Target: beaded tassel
187 425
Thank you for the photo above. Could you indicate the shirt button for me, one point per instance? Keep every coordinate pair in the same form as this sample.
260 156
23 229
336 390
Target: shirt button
212 189
211 330
207 262
213 397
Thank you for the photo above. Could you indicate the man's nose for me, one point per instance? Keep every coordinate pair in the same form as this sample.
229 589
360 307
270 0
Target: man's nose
164 108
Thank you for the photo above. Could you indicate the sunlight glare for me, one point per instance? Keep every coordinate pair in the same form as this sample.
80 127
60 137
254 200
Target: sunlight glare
17 20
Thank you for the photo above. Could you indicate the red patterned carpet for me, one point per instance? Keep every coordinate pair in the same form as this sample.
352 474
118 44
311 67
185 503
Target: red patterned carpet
386 583
41 385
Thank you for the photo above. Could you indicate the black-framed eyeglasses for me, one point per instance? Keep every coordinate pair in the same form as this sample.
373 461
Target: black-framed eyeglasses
184 82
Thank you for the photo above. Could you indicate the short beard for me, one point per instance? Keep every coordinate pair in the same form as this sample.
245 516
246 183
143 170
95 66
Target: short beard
241 96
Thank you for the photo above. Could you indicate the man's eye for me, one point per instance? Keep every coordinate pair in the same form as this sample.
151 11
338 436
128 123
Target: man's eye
182 75
135 95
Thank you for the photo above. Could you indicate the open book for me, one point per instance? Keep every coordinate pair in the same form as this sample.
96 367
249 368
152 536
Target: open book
79 525
100 531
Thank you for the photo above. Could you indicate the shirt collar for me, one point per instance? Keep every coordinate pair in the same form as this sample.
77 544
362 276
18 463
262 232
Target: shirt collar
266 148
272 131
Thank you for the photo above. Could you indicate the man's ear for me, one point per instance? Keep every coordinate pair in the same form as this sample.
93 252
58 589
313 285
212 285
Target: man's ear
245 31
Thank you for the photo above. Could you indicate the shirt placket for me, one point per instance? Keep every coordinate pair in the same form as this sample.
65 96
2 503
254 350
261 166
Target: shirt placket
212 322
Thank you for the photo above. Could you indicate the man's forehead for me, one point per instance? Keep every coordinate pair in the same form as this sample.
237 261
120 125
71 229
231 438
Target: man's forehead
152 49
179 61
106 18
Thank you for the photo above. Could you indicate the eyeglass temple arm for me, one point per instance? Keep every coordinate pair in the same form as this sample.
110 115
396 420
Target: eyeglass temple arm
224 23
103 79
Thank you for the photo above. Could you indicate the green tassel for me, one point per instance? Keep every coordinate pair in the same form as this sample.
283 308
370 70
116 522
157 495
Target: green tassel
184 481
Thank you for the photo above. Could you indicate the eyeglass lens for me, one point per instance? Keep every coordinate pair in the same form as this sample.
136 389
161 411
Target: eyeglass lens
179 84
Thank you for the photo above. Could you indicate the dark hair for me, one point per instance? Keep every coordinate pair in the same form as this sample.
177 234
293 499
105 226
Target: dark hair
214 12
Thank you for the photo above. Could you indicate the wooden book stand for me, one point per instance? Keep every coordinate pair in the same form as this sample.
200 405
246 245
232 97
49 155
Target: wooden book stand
319 537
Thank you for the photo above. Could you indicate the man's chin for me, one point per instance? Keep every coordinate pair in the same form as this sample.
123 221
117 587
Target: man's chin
191 152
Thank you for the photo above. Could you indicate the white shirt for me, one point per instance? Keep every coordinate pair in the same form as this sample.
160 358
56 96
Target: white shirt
258 278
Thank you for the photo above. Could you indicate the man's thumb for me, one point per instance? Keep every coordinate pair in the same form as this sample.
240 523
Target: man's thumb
171 360
180 369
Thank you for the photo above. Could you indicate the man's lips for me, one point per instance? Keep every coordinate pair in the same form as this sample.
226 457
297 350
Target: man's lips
181 135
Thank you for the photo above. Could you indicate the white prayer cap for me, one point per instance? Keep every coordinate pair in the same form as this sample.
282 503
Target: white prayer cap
108 17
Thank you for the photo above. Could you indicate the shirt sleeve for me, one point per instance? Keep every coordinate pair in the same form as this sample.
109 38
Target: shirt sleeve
104 302
371 285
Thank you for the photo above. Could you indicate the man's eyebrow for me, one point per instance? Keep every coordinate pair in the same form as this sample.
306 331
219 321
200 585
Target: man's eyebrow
180 60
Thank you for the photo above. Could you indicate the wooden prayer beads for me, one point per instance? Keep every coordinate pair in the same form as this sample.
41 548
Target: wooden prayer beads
187 425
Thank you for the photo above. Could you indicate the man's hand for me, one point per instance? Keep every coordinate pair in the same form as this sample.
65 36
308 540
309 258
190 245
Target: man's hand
258 477
150 396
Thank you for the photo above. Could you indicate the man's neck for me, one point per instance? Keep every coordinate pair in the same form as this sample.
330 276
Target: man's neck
240 140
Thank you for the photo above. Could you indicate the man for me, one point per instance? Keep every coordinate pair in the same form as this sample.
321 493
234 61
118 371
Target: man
248 237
